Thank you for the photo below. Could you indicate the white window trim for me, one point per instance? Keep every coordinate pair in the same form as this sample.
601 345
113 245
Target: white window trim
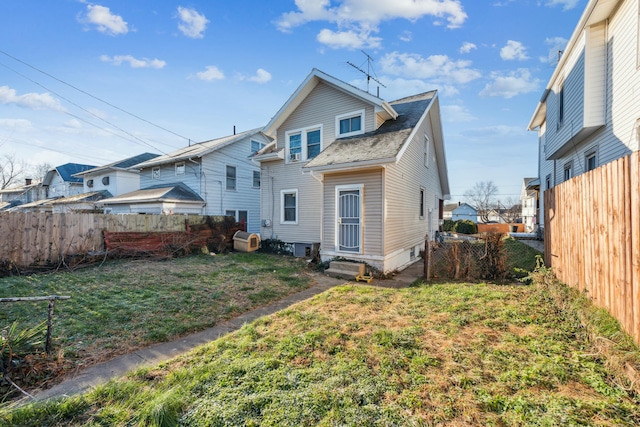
253 181
348 116
226 183
303 142
153 173
568 166
183 168
423 192
261 145
593 151
282 194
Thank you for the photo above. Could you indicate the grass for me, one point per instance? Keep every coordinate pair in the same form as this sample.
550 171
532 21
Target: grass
446 354
123 305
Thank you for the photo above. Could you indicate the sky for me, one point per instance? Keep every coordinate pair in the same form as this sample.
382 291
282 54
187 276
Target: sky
96 82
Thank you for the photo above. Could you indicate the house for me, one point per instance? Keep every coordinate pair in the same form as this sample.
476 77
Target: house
589 113
115 178
529 202
217 177
21 194
447 210
353 175
465 211
62 182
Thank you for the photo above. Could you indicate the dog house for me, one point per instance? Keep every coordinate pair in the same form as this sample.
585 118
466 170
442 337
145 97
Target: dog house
245 242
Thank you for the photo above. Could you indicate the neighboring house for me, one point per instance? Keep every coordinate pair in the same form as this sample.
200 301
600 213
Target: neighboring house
115 178
447 210
166 199
465 211
589 113
216 177
62 182
19 195
84 202
360 177
529 202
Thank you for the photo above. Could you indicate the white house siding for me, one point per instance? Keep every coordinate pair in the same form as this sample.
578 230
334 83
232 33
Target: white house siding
404 227
277 176
168 175
59 188
120 182
213 184
545 168
321 107
372 215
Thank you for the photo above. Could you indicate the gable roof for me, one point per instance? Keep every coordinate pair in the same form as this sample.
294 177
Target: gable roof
388 143
312 80
200 149
67 172
177 192
120 164
92 196
595 11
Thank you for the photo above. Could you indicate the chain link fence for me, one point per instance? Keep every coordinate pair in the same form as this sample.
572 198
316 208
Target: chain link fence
490 256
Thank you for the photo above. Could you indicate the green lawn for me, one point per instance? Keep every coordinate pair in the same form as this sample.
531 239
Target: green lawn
127 304
447 354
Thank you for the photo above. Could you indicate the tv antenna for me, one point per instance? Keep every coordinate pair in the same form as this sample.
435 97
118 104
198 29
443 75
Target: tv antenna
368 72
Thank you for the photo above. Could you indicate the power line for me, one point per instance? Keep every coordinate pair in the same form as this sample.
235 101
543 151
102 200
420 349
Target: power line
93 96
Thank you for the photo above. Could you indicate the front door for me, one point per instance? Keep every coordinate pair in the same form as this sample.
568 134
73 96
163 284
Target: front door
349 212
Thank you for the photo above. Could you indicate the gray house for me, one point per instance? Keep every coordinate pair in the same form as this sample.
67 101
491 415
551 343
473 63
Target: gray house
352 174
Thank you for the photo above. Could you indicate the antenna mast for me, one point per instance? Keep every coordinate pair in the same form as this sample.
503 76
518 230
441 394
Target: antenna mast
368 72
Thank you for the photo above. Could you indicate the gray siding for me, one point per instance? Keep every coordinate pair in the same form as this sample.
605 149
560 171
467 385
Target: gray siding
373 208
168 176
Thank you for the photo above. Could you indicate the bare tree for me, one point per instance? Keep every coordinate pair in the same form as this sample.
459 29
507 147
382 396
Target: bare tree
510 209
39 171
482 196
10 171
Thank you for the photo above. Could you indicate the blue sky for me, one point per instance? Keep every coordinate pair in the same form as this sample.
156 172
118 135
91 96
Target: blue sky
98 82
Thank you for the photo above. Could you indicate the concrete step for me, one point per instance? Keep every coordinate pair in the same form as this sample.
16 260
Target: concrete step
345 270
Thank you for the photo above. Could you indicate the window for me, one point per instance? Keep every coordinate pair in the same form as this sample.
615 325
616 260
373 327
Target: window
422 203
155 173
561 105
90 183
590 160
256 179
568 171
230 213
350 124
548 182
304 144
105 180
231 177
256 146
289 206
180 168
426 150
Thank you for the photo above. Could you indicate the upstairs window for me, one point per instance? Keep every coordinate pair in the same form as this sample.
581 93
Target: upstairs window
568 171
155 173
422 203
350 124
561 105
304 144
295 147
180 168
256 179
256 145
231 177
313 143
590 160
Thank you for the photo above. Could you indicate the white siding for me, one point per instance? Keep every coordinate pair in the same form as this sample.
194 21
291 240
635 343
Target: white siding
594 79
120 182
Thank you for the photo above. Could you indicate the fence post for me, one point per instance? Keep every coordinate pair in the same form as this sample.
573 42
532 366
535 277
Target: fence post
47 346
427 258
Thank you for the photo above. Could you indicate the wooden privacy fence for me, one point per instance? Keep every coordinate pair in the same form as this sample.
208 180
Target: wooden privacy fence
592 237
28 239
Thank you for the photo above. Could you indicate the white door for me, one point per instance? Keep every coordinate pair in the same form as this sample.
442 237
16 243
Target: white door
348 214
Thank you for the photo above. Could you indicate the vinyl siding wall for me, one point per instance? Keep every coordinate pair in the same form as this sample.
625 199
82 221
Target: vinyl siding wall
168 176
404 228
372 215
120 182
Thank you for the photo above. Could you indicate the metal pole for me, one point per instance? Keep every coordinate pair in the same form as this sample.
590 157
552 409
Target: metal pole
47 347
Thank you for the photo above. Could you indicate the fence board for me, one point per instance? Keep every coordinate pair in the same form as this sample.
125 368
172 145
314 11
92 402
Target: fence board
592 237
37 238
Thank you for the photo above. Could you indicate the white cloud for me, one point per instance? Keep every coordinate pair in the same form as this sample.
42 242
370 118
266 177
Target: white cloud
440 68
211 73
514 50
134 62
356 20
457 114
15 124
556 45
192 24
515 83
34 101
105 21
566 4
467 47
348 39
261 76
406 36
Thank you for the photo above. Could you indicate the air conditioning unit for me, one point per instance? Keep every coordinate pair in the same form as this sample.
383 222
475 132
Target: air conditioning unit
294 157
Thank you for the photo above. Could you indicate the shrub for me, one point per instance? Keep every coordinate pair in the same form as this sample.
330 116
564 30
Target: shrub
465 226
448 225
